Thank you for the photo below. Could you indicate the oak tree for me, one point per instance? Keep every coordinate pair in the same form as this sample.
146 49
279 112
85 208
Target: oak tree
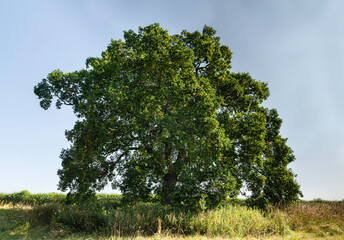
163 114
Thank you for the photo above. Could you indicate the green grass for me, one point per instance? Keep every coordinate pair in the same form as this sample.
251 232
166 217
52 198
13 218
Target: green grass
149 219
53 221
109 219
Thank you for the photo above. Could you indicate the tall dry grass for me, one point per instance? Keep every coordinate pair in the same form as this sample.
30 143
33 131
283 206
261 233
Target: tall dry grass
109 219
319 218
150 219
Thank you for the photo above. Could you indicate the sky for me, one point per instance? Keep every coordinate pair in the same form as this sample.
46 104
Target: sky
297 47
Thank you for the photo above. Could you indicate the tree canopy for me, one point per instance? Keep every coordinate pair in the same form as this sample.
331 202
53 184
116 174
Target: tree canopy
163 114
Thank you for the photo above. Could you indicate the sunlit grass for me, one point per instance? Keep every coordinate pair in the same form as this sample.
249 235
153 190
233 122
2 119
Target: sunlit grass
108 221
229 221
320 219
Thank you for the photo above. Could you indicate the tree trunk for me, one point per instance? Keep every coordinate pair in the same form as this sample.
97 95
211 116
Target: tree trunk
170 180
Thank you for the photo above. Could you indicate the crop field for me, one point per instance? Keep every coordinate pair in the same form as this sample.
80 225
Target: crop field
47 216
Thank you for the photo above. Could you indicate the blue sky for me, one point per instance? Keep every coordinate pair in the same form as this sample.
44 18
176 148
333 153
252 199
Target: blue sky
296 46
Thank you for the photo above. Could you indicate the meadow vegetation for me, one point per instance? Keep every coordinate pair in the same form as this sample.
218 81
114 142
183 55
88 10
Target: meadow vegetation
48 216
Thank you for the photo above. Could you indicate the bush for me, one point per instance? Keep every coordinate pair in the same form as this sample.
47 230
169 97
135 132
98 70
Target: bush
25 197
2 198
86 218
43 214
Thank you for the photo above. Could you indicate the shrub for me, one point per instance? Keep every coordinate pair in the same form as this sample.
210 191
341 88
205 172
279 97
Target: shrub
25 197
20 197
43 214
86 218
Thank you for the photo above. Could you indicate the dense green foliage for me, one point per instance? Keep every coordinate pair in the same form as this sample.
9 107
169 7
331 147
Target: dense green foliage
163 114
27 198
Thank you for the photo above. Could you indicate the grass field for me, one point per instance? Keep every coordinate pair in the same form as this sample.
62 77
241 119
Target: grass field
147 221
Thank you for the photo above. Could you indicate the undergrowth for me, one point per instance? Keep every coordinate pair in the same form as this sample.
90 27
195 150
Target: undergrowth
149 219
109 218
